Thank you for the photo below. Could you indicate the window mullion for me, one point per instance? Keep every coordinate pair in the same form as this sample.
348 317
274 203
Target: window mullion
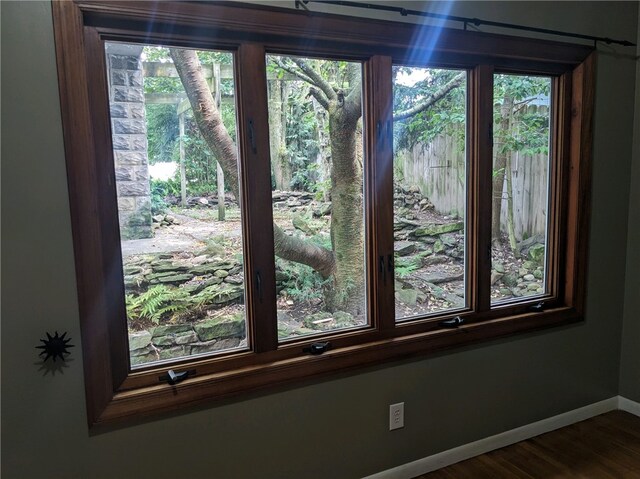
479 200
255 173
379 127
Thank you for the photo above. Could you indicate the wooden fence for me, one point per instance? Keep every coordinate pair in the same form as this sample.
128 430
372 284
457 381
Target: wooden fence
438 169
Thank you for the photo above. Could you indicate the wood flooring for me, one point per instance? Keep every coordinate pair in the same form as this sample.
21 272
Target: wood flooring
603 447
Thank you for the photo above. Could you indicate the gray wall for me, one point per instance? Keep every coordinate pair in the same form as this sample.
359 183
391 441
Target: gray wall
630 363
336 428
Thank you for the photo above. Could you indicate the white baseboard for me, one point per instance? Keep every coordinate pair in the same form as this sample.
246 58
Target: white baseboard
628 405
482 446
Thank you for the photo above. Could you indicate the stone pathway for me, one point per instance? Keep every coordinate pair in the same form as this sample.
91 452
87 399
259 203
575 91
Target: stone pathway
185 234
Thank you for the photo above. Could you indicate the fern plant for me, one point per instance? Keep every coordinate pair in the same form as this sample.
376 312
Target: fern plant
164 303
214 294
157 303
303 283
404 266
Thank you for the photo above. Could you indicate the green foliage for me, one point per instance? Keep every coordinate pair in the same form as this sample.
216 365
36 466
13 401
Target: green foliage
404 269
302 129
447 116
156 303
214 294
398 172
339 74
160 84
158 203
208 57
162 133
302 138
303 283
322 239
200 166
152 53
215 246
162 303
163 124
322 188
529 125
160 189
405 265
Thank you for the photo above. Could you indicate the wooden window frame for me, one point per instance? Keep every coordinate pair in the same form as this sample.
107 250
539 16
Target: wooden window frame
114 392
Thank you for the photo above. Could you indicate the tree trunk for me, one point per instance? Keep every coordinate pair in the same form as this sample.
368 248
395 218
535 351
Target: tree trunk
206 113
509 187
220 190
346 292
215 83
299 251
324 156
277 136
499 166
510 222
183 171
344 265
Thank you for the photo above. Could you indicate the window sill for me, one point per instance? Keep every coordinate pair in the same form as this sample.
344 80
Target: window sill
144 401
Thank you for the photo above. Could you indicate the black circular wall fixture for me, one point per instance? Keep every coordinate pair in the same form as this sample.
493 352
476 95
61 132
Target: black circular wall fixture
55 346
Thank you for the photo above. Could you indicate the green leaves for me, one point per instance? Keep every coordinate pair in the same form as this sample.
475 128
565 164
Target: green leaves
412 86
156 303
162 133
163 123
528 131
162 303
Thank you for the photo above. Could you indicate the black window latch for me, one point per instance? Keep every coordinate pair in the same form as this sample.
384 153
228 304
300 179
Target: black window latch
317 348
452 323
173 377
537 308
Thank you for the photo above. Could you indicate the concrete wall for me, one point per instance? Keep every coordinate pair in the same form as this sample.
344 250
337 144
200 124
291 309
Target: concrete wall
630 362
336 428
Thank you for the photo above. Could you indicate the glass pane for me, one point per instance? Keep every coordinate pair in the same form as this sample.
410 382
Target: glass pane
429 169
521 117
315 126
181 248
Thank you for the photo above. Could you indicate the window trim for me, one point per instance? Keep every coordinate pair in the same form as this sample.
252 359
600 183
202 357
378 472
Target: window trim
115 393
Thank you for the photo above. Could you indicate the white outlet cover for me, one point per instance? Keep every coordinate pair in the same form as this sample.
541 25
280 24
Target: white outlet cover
396 416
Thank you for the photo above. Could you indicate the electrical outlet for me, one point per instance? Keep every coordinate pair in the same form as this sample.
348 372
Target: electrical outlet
396 416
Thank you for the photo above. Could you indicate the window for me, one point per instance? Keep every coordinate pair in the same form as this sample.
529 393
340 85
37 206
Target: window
341 196
326 172
520 185
430 190
183 275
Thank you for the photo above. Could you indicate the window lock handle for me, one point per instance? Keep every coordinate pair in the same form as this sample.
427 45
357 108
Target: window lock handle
173 377
452 323
537 308
317 348
252 137
259 285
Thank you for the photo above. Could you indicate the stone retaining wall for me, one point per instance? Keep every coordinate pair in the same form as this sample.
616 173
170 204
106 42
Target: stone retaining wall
181 340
